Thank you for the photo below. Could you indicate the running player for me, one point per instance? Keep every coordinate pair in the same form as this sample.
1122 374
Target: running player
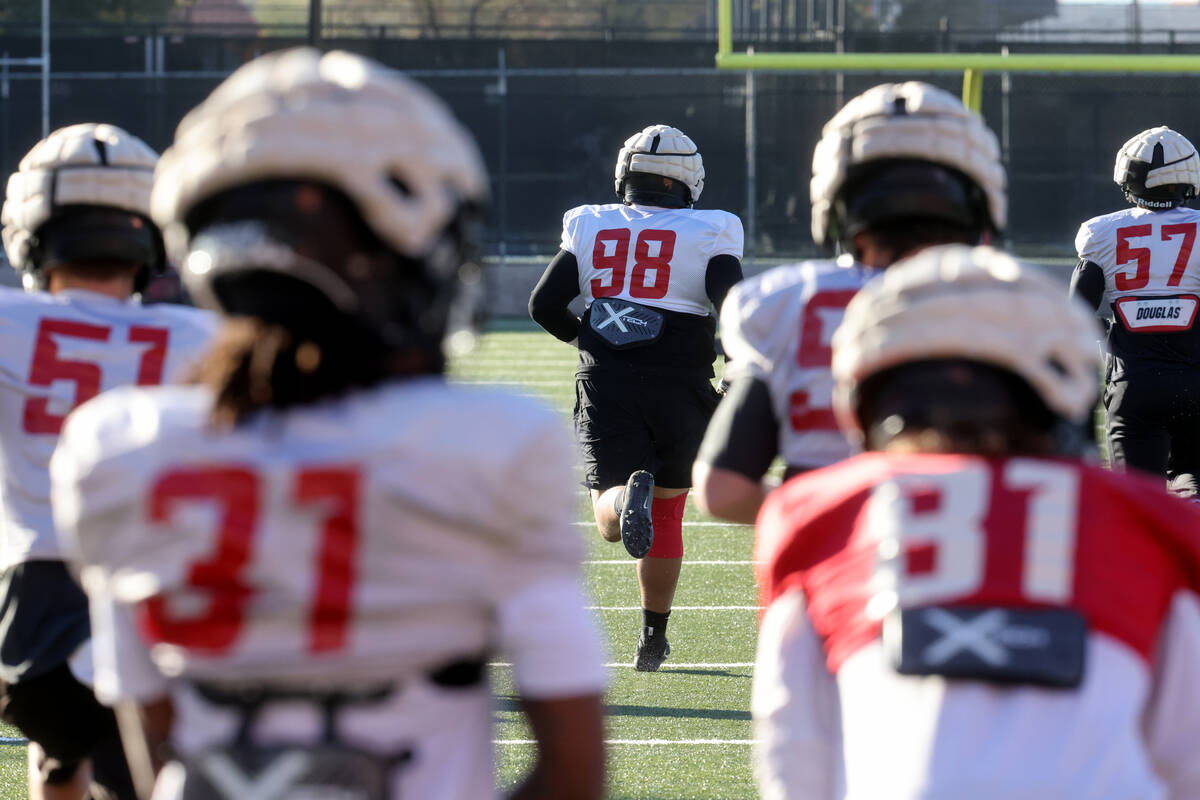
650 270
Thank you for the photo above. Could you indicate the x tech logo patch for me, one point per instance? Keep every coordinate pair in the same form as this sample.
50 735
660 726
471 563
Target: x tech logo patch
990 636
971 635
618 318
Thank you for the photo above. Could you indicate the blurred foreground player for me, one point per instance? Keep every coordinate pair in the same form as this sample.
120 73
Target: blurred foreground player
323 543
901 167
650 269
77 227
1138 265
971 609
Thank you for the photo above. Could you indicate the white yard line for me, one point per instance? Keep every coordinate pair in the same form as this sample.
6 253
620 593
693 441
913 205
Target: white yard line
685 563
690 524
667 665
4 740
679 608
511 383
644 741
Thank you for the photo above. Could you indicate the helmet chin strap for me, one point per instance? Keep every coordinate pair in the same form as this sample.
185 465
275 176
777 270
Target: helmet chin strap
1150 203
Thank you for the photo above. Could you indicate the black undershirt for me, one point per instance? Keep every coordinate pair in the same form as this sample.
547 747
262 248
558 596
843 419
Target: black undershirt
743 435
1087 282
555 290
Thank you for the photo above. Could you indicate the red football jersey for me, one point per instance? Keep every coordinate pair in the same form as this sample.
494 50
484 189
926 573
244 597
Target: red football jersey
882 530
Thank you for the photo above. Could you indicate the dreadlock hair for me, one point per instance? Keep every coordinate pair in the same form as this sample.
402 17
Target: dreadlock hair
257 364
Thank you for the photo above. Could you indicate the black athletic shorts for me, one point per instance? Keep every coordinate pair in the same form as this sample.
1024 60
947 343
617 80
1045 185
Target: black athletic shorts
1153 422
69 725
628 420
43 620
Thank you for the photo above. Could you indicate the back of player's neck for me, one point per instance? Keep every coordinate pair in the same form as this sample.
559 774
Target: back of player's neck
118 288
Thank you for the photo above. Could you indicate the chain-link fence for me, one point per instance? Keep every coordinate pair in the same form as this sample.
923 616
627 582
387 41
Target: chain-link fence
550 133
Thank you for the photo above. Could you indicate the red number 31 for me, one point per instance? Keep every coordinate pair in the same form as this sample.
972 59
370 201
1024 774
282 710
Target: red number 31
236 493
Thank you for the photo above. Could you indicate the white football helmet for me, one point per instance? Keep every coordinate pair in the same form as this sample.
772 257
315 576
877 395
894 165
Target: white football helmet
388 144
87 166
976 304
661 150
1158 168
911 121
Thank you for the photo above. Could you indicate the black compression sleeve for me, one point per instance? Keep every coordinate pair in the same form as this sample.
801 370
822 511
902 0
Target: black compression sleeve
743 435
722 273
1087 281
548 302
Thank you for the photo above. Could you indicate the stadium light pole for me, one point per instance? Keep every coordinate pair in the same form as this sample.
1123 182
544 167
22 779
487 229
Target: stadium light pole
45 68
314 23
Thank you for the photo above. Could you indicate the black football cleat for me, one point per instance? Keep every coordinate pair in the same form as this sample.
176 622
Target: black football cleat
651 653
637 527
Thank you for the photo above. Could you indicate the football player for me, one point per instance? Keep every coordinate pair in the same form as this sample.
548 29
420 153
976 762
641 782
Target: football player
1137 265
901 167
76 226
971 608
650 269
322 541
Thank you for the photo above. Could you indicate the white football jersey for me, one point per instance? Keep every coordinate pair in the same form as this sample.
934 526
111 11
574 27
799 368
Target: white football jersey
57 351
654 256
1151 266
777 327
362 540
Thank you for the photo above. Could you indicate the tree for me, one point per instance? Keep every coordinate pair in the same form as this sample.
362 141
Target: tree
113 10
927 14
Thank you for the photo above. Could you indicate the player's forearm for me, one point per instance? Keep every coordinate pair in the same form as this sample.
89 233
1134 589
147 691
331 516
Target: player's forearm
727 494
570 736
738 448
549 301
1087 283
145 736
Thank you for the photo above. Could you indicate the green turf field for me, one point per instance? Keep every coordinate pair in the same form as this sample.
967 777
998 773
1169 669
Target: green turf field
679 734
683 732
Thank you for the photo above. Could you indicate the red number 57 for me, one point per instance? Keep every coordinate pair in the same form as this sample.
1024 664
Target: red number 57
1141 255
46 367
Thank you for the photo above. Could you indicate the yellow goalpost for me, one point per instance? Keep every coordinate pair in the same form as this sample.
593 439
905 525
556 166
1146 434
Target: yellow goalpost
972 65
